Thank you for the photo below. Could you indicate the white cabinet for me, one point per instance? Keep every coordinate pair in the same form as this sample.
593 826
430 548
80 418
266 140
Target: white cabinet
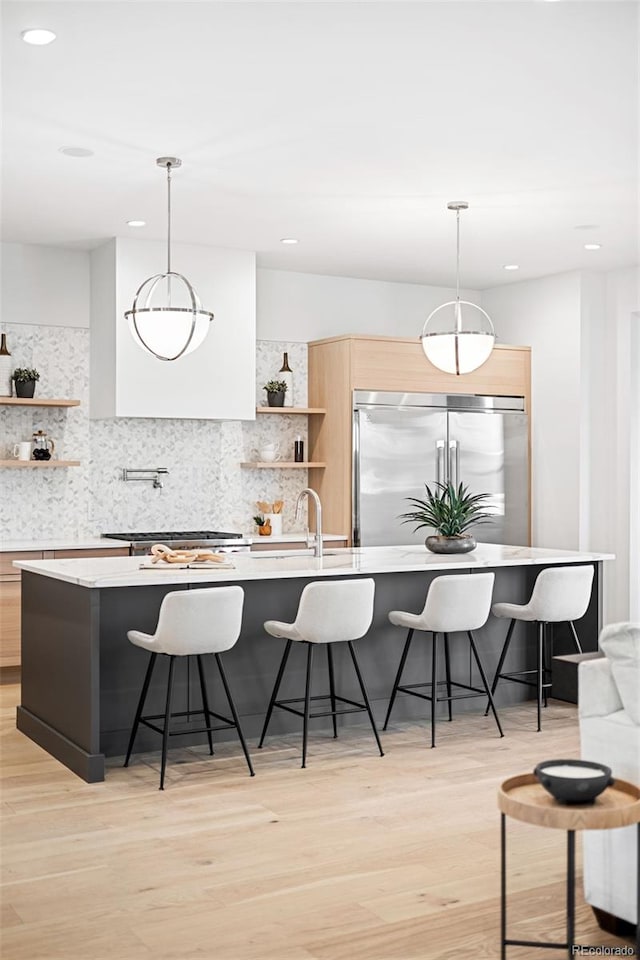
215 382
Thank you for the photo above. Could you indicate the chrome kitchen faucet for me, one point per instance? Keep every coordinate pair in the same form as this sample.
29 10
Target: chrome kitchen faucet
311 494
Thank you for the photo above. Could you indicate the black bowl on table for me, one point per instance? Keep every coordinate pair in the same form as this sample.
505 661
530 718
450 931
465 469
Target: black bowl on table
573 781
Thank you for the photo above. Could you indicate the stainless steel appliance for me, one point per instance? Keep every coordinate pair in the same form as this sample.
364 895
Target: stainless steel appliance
223 542
403 440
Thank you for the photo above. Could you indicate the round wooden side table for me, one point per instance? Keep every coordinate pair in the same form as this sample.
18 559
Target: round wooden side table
524 798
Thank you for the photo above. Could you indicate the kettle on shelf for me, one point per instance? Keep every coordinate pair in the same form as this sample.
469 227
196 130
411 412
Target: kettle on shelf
43 446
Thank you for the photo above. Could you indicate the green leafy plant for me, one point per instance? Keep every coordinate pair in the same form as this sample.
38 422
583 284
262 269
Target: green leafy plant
259 520
276 386
24 374
449 510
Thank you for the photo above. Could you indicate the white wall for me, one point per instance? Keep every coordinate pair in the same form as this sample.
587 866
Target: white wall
546 315
585 416
305 306
44 285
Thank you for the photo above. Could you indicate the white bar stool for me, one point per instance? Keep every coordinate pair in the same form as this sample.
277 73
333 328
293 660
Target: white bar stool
337 611
560 595
191 623
454 604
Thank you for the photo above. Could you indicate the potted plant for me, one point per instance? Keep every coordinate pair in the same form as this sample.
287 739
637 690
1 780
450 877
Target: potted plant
263 525
276 390
451 512
25 381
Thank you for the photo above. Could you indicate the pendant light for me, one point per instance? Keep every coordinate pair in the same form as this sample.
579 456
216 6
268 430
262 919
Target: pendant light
458 336
178 324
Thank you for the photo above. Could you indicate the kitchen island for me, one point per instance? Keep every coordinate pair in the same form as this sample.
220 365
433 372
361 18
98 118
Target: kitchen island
81 677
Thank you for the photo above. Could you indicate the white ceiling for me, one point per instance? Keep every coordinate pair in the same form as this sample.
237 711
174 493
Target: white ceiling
346 125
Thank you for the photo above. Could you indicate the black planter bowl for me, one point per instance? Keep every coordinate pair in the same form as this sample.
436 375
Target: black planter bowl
438 544
578 788
275 399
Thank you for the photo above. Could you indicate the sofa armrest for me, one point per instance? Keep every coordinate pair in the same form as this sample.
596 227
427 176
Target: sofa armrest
597 692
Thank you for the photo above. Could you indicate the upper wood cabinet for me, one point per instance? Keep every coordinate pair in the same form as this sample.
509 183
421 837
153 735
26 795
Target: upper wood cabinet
340 365
216 381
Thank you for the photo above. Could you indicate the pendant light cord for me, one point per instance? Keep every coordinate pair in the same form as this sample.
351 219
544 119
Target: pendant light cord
457 254
168 218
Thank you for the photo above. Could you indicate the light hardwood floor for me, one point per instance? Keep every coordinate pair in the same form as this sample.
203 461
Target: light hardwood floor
355 858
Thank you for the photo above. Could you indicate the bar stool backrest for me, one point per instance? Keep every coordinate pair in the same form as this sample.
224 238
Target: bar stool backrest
335 611
561 593
458 602
199 621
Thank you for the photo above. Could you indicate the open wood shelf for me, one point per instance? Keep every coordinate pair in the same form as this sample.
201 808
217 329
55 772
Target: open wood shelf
36 402
291 410
282 465
39 464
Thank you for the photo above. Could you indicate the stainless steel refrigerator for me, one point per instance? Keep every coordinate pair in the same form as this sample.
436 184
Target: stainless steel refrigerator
403 440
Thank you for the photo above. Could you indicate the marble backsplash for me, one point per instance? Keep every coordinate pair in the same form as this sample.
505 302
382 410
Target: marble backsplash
206 488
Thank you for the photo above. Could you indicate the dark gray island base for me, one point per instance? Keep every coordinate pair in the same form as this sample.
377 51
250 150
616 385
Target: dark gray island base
81 677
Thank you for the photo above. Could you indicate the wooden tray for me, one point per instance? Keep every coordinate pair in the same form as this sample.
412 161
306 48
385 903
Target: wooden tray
524 798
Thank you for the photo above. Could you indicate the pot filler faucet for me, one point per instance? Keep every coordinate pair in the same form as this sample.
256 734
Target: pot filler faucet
312 495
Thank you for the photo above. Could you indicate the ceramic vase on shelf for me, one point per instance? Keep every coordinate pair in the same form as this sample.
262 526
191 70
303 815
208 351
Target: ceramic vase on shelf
286 373
5 368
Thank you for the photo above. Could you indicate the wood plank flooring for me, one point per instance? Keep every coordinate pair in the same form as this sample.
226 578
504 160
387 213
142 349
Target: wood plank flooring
355 858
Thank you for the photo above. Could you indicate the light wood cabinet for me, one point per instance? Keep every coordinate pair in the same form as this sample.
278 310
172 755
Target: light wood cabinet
10 594
340 365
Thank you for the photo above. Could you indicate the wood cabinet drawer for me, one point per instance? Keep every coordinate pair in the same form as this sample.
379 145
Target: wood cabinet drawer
259 545
79 554
8 571
10 623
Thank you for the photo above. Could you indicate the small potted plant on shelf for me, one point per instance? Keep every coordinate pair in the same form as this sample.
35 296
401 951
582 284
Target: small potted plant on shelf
25 382
276 390
451 512
263 525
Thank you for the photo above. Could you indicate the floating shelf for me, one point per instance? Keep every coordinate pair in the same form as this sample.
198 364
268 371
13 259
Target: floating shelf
34 402
39 464
282 465
291 410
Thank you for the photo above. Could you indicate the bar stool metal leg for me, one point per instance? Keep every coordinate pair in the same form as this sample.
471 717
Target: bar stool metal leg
283 663
332 690
205 701
539 673
447 667
503 655
434 688
546 659
485 682
234 713
307 698
143 697
575 637
365 697
167 717
396 682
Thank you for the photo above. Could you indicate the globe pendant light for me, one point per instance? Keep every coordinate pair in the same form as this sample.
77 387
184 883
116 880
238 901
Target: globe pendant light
458 336
178 324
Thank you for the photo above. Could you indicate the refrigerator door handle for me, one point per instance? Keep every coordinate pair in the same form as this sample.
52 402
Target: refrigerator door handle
355 481
440 461
454 462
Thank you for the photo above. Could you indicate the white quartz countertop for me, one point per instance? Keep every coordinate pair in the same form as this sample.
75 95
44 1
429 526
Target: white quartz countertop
104 543
102 572
299 536
60 543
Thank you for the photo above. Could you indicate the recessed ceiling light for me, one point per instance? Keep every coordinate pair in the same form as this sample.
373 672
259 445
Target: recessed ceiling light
288 240
76 152
136 223
38 36
592 246
511 266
